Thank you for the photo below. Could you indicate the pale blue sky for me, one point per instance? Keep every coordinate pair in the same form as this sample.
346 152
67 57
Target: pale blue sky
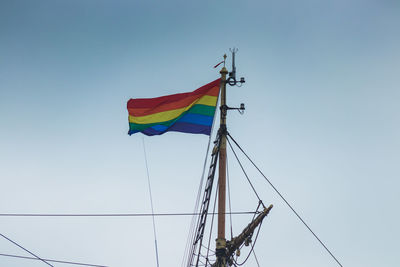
321 120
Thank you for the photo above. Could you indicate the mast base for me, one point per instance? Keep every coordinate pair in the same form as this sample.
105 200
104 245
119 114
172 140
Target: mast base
220 252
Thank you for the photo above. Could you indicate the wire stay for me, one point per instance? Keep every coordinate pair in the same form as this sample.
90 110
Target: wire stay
18 245
151 203
114 214
244 172
52 260
283 198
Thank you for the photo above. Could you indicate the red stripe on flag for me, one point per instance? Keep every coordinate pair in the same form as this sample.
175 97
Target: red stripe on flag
148 103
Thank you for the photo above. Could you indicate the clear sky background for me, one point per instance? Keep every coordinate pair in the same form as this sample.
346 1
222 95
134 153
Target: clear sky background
322 121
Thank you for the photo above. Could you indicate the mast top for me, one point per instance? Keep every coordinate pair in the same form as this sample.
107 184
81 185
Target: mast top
224 70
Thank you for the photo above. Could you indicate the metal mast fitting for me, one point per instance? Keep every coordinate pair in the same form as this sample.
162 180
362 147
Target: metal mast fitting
246 234
232 246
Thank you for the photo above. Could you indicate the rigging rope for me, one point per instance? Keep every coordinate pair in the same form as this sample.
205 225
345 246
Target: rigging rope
287 203
49 260
18 245
241 166
211 227
115 214
190 245
255 257
196 206
151 203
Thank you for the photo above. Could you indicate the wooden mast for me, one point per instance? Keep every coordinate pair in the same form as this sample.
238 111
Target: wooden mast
221 240
225 249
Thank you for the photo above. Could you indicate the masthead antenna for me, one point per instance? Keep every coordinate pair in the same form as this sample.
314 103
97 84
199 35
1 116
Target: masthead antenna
233 72
232 75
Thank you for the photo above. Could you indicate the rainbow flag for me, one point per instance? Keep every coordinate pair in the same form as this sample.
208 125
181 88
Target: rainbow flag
187 112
